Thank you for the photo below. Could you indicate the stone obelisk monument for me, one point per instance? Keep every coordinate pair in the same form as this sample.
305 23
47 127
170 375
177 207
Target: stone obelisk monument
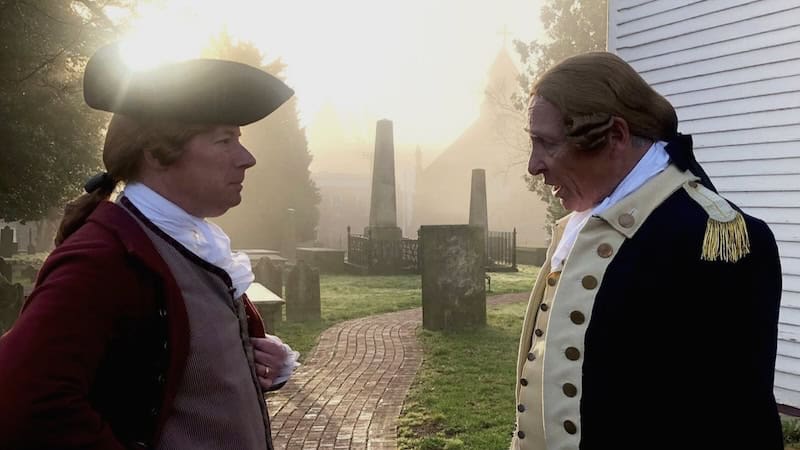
478 214
383 203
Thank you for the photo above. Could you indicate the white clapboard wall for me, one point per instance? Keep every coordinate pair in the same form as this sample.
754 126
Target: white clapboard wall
732 70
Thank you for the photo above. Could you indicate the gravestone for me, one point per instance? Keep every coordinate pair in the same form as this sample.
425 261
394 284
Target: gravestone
31 245
6 270
270 275
453 276
289 241
11 298
302 293
7 245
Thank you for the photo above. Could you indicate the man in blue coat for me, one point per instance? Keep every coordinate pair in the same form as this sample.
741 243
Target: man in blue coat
653 322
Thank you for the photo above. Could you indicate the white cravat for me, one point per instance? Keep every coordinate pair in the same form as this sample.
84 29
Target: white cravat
200 236
652 163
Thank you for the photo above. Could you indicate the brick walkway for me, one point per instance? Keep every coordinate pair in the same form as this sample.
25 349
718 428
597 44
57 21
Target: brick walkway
349 392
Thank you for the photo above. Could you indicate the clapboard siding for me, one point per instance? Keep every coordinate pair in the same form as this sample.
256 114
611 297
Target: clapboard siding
768 166
723 122
684 96
780 101
751 183
731 68
747 152
791 283
766 199
791 300
719 22
786 396
711 52
789 249
786 233
773 71
776 215
745 135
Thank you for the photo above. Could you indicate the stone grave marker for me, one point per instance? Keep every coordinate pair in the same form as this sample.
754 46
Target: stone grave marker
270 275
453 276
7 245
302 293
11 298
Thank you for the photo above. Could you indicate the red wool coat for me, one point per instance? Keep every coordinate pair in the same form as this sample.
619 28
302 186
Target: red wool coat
95 358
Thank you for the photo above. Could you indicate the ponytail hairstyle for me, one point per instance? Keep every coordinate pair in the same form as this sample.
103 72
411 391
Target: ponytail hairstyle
126 142
591 88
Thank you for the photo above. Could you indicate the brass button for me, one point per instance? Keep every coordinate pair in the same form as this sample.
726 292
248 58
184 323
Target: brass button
577 317
693 184
605 250
626 220
552 278
570 390
531 356
521 434
589 282
569 427
523 381
538 332
572 353
544 307
521 408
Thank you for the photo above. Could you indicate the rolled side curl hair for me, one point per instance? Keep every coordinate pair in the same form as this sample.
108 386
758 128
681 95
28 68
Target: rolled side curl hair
126 142
592 88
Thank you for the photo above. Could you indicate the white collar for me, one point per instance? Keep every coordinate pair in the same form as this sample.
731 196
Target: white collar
203 238
654 161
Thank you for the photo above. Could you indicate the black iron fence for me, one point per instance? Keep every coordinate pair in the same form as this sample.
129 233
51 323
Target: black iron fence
501 250
378 256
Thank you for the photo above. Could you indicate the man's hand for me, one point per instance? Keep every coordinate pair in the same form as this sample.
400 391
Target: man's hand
270 356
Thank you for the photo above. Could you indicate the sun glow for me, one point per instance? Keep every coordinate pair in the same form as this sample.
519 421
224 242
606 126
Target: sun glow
164 36
420 63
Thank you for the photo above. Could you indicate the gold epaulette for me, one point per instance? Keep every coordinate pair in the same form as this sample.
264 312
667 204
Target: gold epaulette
726 236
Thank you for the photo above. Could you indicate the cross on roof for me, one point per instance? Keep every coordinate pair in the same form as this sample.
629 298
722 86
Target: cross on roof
505 34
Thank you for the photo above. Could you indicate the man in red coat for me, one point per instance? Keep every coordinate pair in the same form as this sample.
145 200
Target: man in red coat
138 333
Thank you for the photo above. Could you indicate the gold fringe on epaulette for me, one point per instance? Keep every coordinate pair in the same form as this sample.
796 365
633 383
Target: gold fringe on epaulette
726 241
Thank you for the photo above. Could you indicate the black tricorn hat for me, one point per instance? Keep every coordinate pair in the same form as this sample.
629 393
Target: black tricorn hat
195 91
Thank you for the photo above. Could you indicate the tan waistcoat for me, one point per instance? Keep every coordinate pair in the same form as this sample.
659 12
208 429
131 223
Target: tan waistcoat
549 363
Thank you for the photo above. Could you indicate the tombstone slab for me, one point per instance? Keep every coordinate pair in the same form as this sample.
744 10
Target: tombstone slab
453 276
11 298
302 293
7 245
270 274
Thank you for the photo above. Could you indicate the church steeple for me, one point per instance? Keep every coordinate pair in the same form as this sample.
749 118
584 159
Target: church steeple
501 82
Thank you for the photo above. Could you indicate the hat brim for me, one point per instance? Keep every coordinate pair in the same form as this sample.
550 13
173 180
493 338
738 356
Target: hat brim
209 91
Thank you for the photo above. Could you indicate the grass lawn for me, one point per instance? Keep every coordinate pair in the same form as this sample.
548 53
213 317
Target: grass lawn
345 297
463 396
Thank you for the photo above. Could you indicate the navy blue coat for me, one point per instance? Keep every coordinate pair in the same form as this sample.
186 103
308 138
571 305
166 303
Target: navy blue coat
680 352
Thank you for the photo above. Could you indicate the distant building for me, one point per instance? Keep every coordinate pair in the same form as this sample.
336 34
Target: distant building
496 143
345 202
346 199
